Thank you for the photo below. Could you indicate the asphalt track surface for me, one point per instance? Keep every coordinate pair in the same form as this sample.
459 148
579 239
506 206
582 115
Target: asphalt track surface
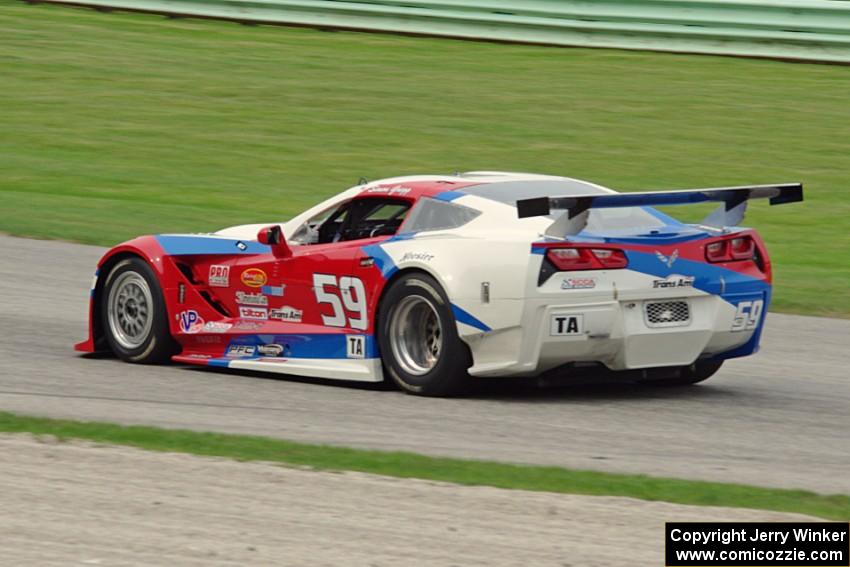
779 418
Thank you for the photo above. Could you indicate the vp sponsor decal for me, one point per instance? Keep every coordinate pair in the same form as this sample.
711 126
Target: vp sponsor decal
566 325
254 277
674 280
190 321
253 313
219 276
251 299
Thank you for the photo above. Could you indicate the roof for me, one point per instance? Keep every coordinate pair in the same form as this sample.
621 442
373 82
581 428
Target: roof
504 187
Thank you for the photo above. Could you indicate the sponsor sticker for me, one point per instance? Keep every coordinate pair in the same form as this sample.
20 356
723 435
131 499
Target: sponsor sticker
394 190
270 350
273 290
207 339
421 256
286 313
216 327
674 280
566 325
251 299
247 325
219 276
578 283
241 350
355 346
190 321
241 245
254 277
253 313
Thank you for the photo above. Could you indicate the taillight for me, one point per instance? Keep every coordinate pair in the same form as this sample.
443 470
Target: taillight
742 248
731 249
574 259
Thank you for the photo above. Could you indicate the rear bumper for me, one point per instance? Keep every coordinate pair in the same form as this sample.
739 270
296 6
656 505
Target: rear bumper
615 333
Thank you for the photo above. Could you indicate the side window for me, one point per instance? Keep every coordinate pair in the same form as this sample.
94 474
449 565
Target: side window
308 233
432 214
369 217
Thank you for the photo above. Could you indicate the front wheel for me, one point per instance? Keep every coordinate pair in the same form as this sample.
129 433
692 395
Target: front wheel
133 314
418 337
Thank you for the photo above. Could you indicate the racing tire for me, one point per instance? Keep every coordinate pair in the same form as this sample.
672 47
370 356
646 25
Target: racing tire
693 374
418 338
133 314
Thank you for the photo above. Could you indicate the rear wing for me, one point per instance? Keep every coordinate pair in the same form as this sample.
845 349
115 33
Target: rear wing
730 213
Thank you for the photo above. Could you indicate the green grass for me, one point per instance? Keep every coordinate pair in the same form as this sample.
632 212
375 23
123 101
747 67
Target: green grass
409 465
114 125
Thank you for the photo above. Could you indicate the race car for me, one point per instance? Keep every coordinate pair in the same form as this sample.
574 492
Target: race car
431 280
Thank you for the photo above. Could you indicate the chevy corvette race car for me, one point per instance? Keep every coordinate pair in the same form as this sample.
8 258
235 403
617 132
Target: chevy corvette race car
429 280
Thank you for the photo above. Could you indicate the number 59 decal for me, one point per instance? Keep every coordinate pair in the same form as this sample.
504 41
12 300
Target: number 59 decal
353 295
748 315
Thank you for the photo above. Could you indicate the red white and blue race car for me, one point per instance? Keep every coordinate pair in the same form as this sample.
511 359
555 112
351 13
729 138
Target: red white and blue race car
428 280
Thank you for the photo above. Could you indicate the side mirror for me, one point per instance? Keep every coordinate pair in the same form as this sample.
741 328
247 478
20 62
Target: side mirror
273 236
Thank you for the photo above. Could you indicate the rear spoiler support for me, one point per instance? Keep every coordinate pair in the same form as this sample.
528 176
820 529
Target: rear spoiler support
730 213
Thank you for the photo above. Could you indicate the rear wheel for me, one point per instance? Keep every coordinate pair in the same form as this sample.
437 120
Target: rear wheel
133 313
418 337
696 372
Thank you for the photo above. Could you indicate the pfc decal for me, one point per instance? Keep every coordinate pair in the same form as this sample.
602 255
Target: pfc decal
253 313
578 283
273 290
216 327
251 299
565 325
190 321
241 350
254 277
219 276
355 346
270 350
286 313
674 280
421 256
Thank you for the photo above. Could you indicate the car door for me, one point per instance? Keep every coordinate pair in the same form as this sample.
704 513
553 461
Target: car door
325 284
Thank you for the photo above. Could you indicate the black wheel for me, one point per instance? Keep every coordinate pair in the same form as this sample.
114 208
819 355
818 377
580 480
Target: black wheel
133 314
696 372
418 337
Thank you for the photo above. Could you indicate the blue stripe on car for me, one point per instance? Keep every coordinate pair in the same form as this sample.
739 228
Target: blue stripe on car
468 318
185 245
304 345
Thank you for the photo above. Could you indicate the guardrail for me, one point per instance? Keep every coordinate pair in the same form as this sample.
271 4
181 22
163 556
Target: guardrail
788 29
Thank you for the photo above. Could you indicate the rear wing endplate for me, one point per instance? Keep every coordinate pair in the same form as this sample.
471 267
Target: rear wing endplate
730 213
